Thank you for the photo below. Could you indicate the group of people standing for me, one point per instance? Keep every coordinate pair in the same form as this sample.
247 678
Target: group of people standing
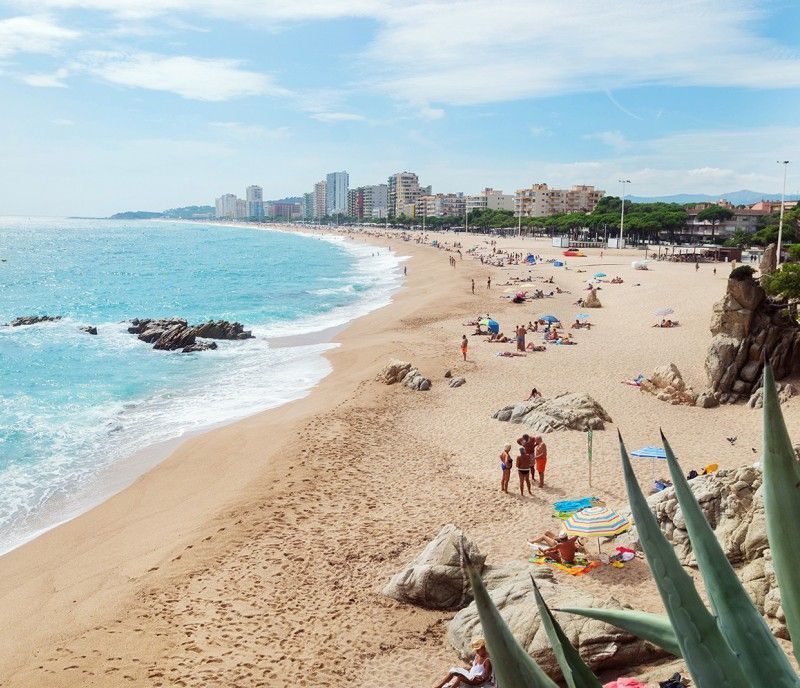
531 459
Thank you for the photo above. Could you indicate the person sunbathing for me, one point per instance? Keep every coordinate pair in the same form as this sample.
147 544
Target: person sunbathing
478 674
564 550
535 393
535 347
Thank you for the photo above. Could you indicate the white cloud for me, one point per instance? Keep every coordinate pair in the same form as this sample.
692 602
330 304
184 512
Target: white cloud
33 34
614 139
338 117
189 77
54 80
251 132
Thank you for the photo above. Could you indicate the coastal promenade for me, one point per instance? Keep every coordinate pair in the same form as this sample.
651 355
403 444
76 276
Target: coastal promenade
255 554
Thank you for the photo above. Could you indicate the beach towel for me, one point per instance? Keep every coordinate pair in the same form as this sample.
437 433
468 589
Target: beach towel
625 683
565 508
576 569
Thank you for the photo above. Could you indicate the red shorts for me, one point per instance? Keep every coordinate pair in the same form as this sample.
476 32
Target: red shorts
540 464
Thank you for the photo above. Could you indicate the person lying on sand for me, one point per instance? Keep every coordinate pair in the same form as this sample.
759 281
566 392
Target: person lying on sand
564 549
535 347
478 674
535 393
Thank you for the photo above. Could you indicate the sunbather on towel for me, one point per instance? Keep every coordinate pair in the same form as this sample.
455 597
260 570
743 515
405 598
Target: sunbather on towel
564 549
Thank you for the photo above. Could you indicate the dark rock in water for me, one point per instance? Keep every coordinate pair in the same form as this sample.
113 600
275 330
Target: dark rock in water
173 334
89 329
33 320
222 329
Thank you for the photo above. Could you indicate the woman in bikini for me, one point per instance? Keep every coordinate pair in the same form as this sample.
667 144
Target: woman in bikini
506 462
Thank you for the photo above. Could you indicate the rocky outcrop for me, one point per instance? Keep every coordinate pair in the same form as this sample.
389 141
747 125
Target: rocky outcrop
175 334
769 261
601 646
457 382
591 301
436 579
785 392
568 411
732 502
667 384
748 328
396 371
89 329
32 320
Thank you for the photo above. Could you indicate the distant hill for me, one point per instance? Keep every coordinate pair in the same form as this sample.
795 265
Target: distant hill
743 197
288 199
189 212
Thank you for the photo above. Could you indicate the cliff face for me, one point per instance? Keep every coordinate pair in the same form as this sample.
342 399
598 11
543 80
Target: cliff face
748 329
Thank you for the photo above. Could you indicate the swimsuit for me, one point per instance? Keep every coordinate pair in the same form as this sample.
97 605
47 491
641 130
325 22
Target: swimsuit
524 470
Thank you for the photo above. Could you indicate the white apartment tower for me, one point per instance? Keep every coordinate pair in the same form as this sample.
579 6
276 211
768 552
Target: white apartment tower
254 196
337 185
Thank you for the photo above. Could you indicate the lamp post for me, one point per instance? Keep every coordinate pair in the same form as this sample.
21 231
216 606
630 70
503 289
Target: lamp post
785 164
622 214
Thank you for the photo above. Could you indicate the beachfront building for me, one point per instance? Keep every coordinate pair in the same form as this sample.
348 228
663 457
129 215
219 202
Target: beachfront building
368 202
280 210
490 199
541 201
744 219
242 212
320 197
404 192
308 206
336 187
225 207
441 205
254 195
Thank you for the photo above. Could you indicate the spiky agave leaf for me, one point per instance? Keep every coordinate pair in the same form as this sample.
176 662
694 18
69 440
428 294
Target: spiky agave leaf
737 617
513 667
782 507
576 673
654 628
708 656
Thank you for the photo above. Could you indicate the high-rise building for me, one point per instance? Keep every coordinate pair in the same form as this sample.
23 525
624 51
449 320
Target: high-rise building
490 199
320 197
367 202
337 185
308 206
540 200
225 207
254 195
242 212
403 192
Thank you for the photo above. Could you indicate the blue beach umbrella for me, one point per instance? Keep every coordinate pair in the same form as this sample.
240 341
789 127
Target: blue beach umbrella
557 264
549 318
582 316
651 452
600 274
491 325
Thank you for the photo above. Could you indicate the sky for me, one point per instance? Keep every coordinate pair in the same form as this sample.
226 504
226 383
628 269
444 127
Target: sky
110 105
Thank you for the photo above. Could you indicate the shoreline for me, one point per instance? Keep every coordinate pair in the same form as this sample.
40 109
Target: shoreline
256 553
127 468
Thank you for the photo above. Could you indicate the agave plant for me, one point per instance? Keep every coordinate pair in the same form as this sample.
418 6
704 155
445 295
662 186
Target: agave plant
729 646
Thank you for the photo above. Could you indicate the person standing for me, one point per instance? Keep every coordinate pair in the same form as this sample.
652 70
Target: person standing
540 459
521 338
506 463
524 470
464 345
473 286
489 282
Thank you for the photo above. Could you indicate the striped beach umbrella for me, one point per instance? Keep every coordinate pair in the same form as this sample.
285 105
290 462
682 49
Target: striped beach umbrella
598 522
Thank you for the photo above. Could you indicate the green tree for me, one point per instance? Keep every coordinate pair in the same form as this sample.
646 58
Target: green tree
738 240
715 214
785 281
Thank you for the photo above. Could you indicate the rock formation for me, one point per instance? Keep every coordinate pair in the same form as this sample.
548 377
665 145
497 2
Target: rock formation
591 301
748 327
436 579
667 384
32 320
732 502
769 261
457 381
401 371
785 392
173 334
89 329
567 411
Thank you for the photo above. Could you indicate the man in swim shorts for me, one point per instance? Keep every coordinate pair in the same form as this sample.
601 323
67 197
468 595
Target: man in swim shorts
540 458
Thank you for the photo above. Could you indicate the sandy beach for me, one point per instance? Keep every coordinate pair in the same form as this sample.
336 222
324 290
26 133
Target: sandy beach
256 553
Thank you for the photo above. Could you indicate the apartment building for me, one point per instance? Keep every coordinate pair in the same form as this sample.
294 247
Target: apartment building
320 199
254 195
490 199
540 200
404 192
441 205
368 202
337 185
225 207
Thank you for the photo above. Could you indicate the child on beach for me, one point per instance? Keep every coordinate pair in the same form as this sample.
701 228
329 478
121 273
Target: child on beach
464 345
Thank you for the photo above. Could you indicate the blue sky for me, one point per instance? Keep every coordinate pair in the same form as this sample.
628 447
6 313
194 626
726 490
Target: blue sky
148 104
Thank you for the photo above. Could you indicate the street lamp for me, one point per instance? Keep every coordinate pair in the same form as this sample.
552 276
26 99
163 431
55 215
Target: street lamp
622 215
785 164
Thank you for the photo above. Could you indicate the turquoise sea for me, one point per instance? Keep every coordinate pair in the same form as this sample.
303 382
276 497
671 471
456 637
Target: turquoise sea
74 407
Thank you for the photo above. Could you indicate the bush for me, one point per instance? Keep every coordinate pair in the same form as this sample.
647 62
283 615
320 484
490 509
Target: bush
742 273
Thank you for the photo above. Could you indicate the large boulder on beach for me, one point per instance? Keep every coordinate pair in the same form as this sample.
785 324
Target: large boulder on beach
592 301
667 384
567 411
786 391
394 371
732 502
436 579
32 320
601 646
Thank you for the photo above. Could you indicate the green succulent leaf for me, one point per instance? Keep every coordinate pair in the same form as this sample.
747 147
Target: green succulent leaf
513 667
576 673
737 617
708 656
651 627
782 507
